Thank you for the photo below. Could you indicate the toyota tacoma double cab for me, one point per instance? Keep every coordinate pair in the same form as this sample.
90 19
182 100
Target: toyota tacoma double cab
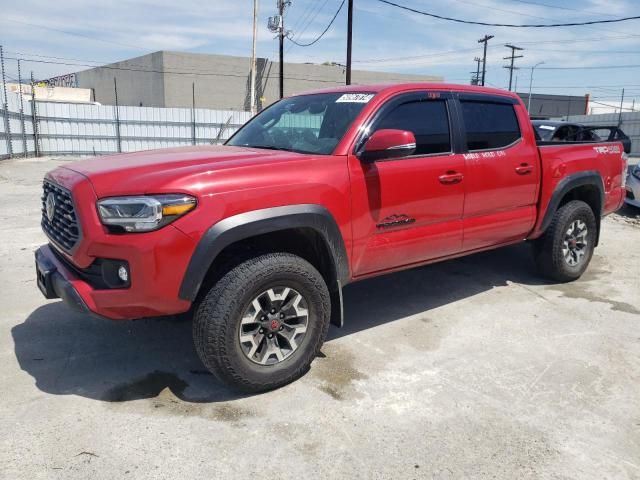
258 237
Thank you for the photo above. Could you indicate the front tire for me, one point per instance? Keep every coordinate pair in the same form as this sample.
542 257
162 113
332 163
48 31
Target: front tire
564 251
262 324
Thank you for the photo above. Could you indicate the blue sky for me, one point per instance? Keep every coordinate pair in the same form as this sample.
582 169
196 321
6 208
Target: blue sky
385 38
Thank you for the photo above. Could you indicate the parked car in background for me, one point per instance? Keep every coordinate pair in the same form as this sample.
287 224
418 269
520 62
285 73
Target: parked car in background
557 131
633 187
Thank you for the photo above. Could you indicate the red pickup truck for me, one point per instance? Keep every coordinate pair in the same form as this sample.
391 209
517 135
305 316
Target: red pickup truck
259 236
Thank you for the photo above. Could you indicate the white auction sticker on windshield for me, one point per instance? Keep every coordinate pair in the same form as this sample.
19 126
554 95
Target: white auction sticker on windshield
355 98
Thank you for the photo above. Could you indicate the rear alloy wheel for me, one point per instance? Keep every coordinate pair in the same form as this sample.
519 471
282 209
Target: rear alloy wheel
566 247
262 324
575 243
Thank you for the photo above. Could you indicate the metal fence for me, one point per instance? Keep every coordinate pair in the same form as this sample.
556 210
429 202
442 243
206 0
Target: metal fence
629 123
50 128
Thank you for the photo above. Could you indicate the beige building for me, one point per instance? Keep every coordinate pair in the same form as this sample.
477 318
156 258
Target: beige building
166 79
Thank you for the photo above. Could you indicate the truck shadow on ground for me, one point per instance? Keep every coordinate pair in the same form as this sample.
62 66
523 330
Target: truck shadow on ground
74 354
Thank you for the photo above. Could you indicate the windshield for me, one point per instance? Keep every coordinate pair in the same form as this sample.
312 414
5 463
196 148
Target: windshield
305 124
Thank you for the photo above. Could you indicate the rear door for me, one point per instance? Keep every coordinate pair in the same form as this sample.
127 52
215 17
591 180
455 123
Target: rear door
502 171
409 210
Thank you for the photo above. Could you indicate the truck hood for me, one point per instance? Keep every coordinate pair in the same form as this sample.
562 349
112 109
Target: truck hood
174 169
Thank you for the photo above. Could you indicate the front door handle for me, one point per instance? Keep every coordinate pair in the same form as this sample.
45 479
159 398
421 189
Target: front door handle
451 177
524 169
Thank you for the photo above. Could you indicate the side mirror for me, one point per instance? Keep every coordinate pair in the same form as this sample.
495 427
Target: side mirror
388 143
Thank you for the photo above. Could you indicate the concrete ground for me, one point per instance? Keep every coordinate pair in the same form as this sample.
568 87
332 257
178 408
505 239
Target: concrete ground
474 368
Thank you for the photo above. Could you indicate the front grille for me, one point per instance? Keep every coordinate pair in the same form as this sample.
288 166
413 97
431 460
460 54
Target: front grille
62 228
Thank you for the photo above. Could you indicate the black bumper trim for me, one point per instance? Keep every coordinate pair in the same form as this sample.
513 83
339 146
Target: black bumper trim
53 285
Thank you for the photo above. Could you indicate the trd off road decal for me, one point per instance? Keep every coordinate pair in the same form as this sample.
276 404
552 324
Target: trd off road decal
395 221
607 149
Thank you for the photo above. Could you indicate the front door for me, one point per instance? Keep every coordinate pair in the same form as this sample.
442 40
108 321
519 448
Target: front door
409 210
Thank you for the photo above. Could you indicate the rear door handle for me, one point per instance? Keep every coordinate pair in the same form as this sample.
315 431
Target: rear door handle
451 177
524 169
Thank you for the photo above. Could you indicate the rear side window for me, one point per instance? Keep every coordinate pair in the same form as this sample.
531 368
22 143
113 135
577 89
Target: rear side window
489 125
429 122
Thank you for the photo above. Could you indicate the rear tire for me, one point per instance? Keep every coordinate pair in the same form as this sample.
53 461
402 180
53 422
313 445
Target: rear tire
566 247
261 325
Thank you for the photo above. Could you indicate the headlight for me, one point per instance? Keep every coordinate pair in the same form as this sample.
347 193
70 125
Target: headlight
636 172
143 213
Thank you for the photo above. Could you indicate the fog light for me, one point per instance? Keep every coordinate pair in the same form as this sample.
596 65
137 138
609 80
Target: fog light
123 274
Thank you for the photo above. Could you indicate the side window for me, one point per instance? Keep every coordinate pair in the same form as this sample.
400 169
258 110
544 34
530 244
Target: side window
428 120
489 125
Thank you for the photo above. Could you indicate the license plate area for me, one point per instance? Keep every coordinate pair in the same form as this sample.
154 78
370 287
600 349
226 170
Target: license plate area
43 279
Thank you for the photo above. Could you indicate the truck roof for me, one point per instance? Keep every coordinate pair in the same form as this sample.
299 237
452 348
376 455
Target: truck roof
400 87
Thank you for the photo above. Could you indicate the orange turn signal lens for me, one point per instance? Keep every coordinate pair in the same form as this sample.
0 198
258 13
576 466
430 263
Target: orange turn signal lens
170 210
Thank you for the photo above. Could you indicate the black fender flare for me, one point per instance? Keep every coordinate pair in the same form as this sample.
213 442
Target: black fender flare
580 179
257 222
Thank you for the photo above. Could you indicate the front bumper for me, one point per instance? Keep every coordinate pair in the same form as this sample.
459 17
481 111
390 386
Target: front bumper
157 263
53 280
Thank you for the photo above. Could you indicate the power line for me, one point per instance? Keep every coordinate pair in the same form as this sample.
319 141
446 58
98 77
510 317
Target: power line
302 17
493 8
306 22
415 57
617 107
606 67
590 12
510 25
169 72
577 40
323 32
596 52
136 47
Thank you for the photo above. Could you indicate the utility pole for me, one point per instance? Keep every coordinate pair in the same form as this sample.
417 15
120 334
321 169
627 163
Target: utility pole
512 57
276 25
620 114
349 40
281 54
484 40
476 79
253 59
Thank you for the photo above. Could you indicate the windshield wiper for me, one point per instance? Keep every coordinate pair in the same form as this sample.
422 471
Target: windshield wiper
272 147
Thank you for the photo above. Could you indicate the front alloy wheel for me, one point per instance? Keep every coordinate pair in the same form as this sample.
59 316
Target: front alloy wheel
273 325
261 325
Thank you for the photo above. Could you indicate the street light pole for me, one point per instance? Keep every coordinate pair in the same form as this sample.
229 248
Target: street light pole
252 93
531 86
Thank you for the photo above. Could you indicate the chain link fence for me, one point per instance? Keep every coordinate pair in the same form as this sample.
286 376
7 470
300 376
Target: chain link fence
52 128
